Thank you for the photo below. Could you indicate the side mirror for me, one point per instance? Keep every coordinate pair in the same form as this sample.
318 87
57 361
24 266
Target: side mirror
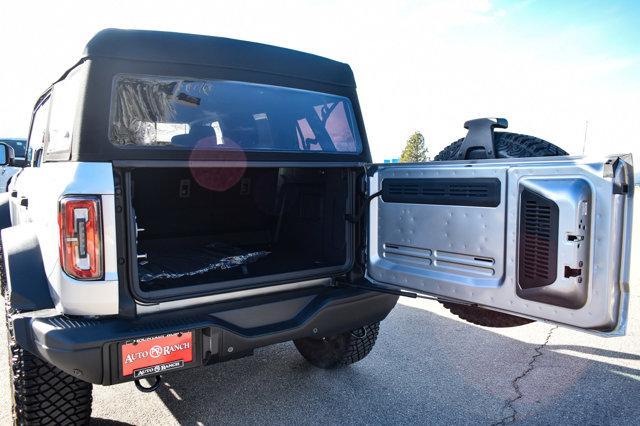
7 155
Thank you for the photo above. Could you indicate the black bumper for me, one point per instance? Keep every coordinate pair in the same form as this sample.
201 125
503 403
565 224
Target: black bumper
88 348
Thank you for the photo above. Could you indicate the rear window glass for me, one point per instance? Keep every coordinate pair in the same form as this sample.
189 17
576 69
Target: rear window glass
161 112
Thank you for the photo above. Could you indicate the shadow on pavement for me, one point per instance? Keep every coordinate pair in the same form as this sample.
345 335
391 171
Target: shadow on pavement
424 368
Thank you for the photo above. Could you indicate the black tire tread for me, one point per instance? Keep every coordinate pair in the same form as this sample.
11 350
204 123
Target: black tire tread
45 394
360 347
508 145
340 350
3 277
42 394
485 317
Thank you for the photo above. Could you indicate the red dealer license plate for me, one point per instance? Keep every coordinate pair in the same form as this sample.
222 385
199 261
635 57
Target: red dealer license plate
154 355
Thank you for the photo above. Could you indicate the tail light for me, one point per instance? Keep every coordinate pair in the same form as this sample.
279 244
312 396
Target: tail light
81 251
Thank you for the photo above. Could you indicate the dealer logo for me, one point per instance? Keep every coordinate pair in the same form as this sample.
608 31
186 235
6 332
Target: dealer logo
157 369
155 352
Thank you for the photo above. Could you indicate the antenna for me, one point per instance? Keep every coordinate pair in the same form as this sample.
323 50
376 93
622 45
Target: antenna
586 129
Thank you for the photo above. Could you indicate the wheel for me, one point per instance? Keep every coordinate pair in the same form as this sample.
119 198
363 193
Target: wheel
508 145
43 394
339 350
3 280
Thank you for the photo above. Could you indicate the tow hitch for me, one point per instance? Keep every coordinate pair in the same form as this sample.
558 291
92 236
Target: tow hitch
154 387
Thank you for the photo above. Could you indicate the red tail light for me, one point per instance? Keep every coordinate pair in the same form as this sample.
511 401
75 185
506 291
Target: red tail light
81 252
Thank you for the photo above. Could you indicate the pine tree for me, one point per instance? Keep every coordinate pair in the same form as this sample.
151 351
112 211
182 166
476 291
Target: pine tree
415 151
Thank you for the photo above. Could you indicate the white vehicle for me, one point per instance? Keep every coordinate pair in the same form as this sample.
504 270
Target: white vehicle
190 199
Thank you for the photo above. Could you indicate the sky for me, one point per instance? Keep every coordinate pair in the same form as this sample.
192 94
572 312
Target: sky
549 67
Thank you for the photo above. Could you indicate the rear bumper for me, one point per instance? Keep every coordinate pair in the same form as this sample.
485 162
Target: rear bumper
88 348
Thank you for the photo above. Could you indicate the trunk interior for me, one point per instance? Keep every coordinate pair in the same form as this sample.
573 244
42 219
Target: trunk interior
227 228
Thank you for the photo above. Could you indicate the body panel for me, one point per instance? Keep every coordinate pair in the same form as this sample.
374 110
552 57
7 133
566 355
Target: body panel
27 286
43 187
469 253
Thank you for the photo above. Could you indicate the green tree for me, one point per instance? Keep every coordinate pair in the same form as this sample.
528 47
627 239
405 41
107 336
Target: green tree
415 151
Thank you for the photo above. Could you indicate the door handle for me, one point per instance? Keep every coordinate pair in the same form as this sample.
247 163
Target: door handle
14 194
24 202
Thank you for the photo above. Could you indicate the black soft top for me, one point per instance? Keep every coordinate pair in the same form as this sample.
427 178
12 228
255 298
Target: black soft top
179 48
113 52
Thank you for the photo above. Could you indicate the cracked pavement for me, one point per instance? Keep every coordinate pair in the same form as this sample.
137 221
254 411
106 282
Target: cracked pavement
509 405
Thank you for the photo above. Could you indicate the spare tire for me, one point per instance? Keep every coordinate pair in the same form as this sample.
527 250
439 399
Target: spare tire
508 145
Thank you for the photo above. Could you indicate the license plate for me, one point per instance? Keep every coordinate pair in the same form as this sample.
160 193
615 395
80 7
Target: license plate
153 355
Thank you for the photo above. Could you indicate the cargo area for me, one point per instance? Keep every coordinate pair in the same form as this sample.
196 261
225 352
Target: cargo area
228 228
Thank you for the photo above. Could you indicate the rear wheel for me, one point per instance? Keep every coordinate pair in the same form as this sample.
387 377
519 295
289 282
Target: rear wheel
3 281
44 394
41 393
508 145
341 349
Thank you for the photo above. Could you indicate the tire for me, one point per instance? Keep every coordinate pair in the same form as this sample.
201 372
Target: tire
508 145
42 394
339 350
485 317
3 277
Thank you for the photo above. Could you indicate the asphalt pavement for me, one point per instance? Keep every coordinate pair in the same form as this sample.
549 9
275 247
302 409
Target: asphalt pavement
427 367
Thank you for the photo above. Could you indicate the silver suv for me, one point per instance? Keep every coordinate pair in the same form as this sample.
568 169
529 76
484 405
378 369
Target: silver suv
191 198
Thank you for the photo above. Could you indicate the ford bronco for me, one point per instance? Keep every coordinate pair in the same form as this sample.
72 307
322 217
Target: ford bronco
192 198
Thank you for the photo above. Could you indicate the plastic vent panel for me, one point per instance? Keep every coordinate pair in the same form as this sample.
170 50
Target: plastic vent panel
538 245
479 192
